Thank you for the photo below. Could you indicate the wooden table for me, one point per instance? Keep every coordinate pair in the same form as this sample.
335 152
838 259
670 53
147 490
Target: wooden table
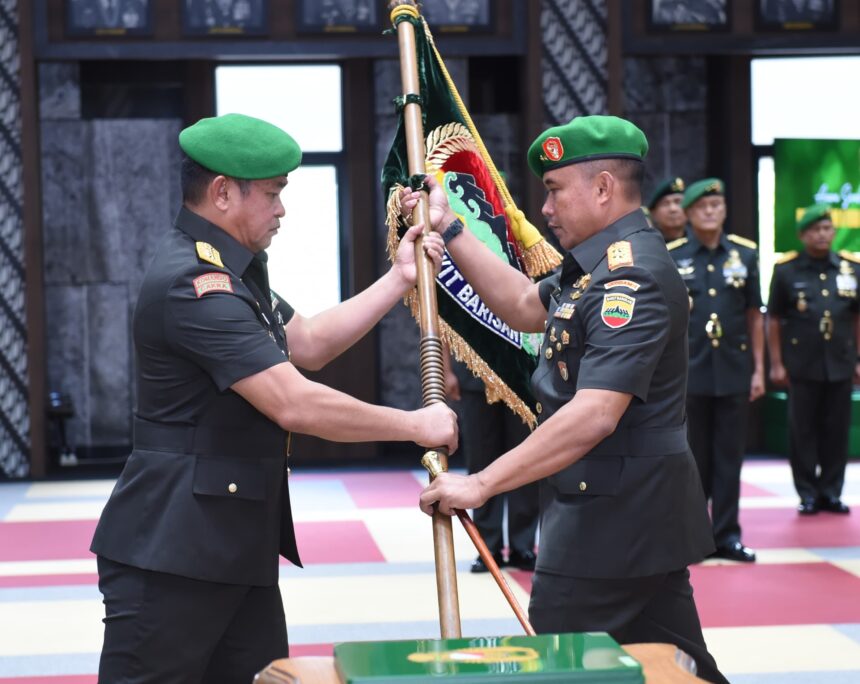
661 663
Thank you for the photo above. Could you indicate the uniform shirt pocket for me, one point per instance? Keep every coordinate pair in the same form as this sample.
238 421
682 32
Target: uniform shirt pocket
229 478
589 477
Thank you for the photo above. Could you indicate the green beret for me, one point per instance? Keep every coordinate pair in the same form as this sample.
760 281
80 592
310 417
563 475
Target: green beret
670 186
241 147
586 138
702 188
812 215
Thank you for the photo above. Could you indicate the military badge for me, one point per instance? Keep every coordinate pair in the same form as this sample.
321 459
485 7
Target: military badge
208 253
802 304
846 281
619 254
212 282
629 284
734 270
565 337
686 268
617 309
562 368
583 281
553 149
565 311
552 337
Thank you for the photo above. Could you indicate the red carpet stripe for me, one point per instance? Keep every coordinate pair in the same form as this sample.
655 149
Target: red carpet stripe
775 528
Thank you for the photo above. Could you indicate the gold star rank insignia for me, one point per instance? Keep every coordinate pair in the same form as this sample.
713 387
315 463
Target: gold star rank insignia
208 253
619 254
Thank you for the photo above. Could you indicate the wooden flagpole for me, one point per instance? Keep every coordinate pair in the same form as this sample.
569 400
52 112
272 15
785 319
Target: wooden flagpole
432 374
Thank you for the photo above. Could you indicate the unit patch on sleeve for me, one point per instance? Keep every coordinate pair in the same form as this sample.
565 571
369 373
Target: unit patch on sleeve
629 284
617 309
212 282
208 253
619 254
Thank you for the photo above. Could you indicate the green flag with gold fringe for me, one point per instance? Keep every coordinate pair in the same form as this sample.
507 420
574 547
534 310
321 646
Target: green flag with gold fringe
502 357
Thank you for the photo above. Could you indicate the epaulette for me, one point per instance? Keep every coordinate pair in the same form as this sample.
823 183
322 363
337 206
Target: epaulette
209 254
850 256
676 243
788 256
737 239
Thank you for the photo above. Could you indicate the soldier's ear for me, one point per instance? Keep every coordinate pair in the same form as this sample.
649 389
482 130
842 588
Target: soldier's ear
218 192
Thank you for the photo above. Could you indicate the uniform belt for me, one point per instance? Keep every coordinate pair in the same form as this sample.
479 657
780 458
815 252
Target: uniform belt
643 442
193 439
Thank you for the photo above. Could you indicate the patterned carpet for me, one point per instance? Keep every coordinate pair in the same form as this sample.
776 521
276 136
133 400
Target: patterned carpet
792 618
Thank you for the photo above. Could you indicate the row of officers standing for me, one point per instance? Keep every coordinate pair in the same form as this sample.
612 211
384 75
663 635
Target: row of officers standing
812 336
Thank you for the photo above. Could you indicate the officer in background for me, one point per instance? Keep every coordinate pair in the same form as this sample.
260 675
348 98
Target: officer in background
486 432
622 508
188 542
726 354
665 210
812 339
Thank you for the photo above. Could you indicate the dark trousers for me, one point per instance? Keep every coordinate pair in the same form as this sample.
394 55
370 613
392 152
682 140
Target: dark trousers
487 431
819 417
166 629
659 608
717 429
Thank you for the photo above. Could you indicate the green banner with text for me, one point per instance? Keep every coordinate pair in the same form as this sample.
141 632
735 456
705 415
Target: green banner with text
810 171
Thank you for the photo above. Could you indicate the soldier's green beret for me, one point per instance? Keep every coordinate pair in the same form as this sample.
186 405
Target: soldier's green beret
241 146
702 188
670 186
812 215
586 138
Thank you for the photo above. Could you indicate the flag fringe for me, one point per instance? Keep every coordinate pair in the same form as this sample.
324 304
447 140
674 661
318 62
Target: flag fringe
495 388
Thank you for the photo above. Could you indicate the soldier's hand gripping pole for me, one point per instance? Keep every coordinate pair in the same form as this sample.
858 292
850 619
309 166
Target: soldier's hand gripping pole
432 378
433 464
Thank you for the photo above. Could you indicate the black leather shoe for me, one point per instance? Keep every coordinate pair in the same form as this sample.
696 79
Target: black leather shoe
833 505
523 560
807 507
479 566
736 552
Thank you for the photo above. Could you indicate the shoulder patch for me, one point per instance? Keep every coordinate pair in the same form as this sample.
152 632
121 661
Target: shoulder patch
788 256
617 309
676 243
208 253
738 240
619 254
622 283
212 282
850 256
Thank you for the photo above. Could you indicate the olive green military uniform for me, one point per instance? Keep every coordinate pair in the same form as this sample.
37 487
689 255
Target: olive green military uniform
188 543
723 286
816 301
620 526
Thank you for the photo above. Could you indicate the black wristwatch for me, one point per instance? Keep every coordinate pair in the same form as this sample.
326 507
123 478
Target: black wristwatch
452 231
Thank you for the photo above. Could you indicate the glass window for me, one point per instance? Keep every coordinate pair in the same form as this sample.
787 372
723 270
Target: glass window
304 100
797 97
805 97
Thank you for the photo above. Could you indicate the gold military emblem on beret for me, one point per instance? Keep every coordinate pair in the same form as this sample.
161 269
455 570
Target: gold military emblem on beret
553 149
209 254
678 185
619 254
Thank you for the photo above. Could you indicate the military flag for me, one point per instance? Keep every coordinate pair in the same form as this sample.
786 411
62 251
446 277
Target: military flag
502 357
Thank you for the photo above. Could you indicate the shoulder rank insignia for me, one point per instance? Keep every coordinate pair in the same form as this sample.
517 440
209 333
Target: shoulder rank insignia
788 256
208 253
212 282
619 254
674 244
738 240
850 256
